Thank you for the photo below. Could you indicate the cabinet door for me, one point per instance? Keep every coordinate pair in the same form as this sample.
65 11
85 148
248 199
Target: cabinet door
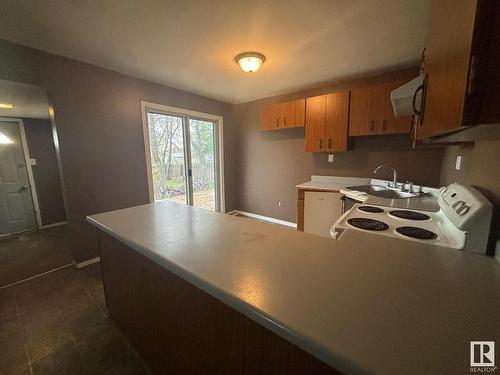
269 117
448 46
293 113
300 210
287 114
275 117
382 112
337 117
265 120
321 211
287 118
361 121
300 112
315 123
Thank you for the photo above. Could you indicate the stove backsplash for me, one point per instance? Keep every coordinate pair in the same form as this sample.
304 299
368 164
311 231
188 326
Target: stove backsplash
480 168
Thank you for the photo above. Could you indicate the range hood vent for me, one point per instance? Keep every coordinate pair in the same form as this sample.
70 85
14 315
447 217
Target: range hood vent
408 98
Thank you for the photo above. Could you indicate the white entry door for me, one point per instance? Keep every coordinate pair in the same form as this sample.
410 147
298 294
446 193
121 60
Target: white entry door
17 212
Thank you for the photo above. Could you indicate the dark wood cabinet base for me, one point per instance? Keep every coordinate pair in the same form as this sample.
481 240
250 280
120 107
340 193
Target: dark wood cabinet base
179 329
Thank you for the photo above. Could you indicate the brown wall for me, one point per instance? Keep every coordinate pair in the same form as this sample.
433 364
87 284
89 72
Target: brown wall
99 125
272 163
45 172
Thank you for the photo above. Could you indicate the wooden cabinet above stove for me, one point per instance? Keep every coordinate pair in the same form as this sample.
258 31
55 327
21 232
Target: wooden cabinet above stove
371 111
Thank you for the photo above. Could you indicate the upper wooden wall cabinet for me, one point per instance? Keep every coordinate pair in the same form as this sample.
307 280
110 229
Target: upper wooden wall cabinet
283 115
460 61
371 111
327 119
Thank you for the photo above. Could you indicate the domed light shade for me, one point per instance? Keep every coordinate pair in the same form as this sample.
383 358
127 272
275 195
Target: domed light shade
250 62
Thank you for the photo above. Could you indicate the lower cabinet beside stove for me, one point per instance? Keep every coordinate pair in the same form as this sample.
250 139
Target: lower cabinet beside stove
318 210
179 329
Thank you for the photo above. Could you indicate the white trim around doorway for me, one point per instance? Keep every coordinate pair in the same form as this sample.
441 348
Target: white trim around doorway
182 112
58 224
27 161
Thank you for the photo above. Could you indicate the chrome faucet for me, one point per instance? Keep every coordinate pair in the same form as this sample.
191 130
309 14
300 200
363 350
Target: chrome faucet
394 174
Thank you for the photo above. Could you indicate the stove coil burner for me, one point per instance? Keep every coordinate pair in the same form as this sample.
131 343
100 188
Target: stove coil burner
418 233
409 215
371 209
368 224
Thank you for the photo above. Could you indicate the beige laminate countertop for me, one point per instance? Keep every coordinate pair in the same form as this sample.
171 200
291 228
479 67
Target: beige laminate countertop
340 184
362 304
332 183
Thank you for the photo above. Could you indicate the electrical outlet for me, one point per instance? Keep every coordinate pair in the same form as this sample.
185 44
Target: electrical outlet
330 158
278 203
458 163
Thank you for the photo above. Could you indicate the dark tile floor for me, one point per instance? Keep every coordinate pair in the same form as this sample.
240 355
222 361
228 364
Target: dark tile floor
57 324
34 253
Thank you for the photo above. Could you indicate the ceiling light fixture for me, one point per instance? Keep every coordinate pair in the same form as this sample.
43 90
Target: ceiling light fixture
250 62
6 105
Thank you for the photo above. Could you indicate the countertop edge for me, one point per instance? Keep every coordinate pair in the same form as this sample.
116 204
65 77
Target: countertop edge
316 188
338 363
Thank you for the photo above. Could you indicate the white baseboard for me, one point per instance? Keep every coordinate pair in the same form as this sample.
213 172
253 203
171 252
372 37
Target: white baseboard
263 218
86 263
53 225
36 276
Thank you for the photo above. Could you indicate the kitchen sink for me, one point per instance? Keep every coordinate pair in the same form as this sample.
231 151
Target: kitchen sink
383 192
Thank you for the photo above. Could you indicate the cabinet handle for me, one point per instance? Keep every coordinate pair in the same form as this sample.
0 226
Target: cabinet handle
284 120
384 125
329 143
320 143
372 125
277 122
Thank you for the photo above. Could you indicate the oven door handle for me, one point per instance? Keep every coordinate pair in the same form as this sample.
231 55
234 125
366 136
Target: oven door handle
335 231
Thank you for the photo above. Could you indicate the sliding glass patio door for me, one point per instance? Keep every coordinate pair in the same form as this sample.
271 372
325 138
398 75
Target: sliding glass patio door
184 159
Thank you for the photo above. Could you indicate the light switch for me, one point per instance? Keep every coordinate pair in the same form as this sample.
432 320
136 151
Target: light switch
330 158
458 163
32 161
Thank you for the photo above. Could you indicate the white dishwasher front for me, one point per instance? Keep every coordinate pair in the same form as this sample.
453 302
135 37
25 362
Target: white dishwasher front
321 211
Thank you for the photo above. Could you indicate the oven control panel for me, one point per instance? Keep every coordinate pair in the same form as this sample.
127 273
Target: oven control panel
463 205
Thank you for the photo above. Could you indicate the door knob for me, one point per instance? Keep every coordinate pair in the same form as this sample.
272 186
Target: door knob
25 187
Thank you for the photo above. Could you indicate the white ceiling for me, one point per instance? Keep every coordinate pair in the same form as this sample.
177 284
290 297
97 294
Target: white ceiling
191 44
30 101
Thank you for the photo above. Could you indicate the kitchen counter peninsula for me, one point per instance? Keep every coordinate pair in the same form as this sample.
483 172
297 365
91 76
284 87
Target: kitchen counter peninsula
194 289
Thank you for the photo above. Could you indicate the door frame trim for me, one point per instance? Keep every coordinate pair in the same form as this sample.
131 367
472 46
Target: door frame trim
27 161
182 112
